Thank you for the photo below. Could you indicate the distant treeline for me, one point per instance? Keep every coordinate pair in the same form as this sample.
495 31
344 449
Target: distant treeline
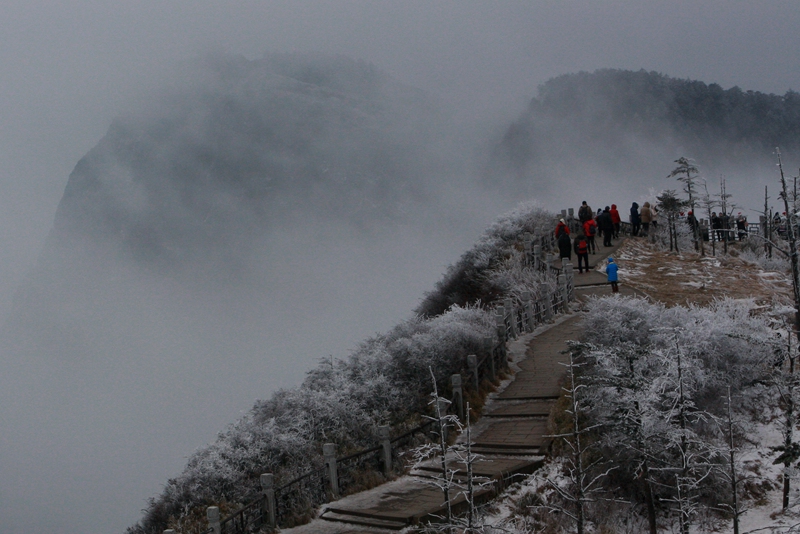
611 112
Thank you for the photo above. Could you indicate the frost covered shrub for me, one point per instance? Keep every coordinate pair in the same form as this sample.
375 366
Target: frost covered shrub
511 277
384 381
660 235
468 282
752 250
657 377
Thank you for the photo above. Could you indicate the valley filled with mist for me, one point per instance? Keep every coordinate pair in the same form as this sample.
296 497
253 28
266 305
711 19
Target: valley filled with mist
247 218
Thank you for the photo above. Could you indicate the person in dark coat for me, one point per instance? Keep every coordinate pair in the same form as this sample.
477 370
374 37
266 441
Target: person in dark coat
635 219
564 246
585 212
606 226
716 225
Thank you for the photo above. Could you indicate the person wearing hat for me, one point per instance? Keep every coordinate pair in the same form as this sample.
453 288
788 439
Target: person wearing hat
561 228
611 272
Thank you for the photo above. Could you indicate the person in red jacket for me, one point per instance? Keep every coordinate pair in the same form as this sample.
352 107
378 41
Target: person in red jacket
561 227
615 219
590 230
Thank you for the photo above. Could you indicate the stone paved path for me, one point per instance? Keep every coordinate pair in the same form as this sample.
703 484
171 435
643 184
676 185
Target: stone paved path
511 435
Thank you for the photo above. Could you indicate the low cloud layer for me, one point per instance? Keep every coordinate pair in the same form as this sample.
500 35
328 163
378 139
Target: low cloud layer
88 436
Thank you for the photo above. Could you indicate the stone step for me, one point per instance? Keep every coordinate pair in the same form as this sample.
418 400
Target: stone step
528 408
491 468
353 518
511 451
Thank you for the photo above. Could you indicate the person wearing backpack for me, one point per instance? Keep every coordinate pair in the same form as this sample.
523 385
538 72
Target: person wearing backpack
589 231
581 246
585 212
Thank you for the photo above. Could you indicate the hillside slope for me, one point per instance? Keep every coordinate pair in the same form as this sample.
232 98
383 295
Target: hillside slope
623 125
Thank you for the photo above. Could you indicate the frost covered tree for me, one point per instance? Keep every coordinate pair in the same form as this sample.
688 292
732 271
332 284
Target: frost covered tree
583 476
687 171
451 480
709 204
621 402
791 235
670 205
658 378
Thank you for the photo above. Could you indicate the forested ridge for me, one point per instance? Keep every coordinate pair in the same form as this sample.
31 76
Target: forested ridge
609 116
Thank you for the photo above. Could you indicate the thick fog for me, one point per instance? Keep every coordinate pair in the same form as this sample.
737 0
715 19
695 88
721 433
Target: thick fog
142 367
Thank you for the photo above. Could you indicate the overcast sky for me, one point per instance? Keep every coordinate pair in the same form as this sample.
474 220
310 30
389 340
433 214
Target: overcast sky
68 67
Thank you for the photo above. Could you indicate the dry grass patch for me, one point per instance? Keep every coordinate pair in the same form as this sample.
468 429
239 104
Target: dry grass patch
688 278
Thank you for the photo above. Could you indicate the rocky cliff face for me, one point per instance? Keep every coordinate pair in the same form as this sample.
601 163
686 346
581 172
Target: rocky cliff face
239 146
191 185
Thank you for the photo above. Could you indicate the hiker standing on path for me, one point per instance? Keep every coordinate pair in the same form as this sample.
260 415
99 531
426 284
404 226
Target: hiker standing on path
564 246
716 225
646 216
561 228
585 212
636 221
582 252
611 272
606 226
590 231
741 226
615 220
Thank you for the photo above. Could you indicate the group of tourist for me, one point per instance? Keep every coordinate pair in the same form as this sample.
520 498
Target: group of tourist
722 226
606 222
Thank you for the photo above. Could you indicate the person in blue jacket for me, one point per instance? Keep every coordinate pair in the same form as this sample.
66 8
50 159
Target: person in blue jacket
611 271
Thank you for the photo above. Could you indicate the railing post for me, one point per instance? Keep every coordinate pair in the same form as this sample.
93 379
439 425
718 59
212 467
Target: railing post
441 405
458 395
386 445
527 244
562 283
570 272
488 348
268 488
537 257
500 321
329 453
508 306
472 364
212 514
548 259
526 303
545 302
